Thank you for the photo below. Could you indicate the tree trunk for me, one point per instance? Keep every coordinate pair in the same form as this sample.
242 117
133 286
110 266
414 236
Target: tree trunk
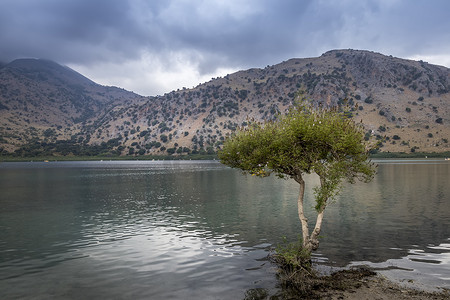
314 239
310 243
301 214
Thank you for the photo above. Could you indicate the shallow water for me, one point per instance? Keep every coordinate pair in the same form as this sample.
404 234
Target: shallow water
187 230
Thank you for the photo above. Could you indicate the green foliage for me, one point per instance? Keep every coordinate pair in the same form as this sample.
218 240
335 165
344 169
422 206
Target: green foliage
171 150
49 132
292 255
68 147
368 100
163 138
296 276
307 139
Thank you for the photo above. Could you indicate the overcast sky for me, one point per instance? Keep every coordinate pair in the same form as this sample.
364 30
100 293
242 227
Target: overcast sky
155 46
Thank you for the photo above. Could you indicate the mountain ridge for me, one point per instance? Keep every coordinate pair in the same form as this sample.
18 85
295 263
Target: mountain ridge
42 66
402 103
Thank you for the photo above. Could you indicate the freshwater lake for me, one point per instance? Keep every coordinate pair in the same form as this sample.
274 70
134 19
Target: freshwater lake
199 230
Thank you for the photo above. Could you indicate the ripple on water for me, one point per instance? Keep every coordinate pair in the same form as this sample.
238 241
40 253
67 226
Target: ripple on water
418 268
195 231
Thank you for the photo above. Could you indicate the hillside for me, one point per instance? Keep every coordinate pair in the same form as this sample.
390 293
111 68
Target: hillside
41 101
47 108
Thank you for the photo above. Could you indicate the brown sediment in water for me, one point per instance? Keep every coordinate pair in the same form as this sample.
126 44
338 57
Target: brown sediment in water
362 283
353 284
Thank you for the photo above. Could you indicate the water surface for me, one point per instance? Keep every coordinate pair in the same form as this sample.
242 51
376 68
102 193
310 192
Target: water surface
187 230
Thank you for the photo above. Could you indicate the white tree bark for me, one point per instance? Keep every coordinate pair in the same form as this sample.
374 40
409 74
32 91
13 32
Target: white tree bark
301 213
314 239
310 243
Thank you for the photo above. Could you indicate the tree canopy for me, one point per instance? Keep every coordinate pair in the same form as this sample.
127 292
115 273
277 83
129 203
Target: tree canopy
307 139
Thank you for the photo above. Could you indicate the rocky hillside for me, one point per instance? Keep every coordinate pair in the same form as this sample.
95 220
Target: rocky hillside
41 101
46 108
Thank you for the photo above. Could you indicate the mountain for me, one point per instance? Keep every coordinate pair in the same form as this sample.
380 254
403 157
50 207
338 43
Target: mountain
47 108
41 100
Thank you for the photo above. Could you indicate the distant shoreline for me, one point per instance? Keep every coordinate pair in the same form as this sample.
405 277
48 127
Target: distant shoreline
411 155
199 157
107 158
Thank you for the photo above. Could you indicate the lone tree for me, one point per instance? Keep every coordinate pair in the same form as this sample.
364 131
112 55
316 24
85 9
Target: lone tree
307 139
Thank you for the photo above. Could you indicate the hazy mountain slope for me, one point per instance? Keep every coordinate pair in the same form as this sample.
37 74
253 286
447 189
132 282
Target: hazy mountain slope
404 103
41 99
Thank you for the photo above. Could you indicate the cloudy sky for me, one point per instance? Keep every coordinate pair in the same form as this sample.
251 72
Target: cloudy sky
155 46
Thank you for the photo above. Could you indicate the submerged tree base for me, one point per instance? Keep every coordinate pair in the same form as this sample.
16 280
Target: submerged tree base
353 284
357 283
297 279
308 285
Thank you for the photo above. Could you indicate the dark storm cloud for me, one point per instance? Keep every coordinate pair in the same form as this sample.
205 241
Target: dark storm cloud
219 32
235 34
215 33
210 35
69 31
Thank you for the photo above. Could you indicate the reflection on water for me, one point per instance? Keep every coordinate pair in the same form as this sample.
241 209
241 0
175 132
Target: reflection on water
190 229
402 224
406 204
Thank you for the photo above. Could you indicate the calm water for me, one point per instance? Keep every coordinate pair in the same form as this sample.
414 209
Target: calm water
198 230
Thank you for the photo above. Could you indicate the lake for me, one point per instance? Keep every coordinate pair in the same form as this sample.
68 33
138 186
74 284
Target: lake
199 230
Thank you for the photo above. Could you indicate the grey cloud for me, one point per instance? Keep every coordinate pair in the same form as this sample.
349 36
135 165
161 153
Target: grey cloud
81 31
71 31
218 34
268 32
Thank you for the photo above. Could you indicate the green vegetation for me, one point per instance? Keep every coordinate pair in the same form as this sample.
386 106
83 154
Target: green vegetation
220 106
368 100
10 158
306 140
293 256
67 147
298 280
